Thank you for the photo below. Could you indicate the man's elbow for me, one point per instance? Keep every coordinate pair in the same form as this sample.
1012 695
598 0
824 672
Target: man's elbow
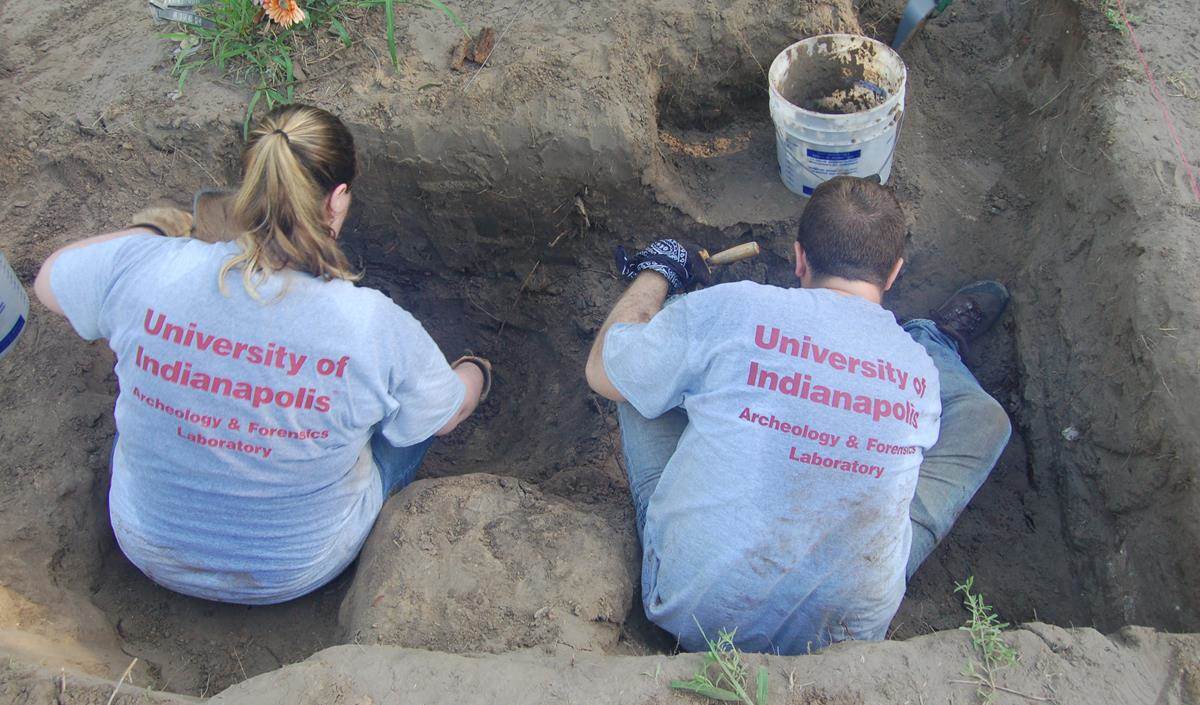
600 384
610 393
593 375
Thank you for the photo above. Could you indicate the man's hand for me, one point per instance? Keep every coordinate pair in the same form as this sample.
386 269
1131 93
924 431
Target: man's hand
167 221
681 266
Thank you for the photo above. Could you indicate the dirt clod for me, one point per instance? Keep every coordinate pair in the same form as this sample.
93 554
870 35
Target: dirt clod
458 56
478 563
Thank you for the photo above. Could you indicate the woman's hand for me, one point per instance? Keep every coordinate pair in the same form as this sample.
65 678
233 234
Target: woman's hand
485 369
167 221
476 373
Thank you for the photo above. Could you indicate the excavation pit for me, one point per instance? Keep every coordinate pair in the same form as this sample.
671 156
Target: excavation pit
490 209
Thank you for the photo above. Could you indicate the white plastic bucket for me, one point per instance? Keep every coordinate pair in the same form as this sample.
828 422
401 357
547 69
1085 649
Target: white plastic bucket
14 306
815 146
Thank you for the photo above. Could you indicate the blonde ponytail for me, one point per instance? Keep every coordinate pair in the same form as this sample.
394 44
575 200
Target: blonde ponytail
294 159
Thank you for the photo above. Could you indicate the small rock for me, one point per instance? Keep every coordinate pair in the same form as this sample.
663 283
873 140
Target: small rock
1071 434
21 204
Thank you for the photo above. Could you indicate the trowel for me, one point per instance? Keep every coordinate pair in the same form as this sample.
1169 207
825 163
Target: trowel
916 12
737 253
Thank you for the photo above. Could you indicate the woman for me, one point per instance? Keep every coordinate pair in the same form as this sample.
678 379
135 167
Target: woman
267 406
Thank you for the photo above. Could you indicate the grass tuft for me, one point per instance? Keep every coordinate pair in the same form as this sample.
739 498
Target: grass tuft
389 9
985 629
1112 15
724 675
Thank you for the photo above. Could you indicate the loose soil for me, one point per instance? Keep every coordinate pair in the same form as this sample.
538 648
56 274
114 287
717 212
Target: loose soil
488 206
846 100
835 83
1076 667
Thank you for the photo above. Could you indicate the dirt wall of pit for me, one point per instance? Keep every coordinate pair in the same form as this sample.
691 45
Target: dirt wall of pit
1107 317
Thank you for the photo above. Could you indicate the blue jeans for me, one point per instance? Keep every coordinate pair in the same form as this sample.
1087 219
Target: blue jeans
974 431
397 466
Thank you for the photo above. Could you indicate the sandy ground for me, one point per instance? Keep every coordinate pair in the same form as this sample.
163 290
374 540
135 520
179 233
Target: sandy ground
1069 667
1032 152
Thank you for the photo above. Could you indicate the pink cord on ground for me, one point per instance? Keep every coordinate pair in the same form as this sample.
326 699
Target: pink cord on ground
1166 111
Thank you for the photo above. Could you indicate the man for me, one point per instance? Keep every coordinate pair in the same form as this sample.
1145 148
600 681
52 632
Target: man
780 443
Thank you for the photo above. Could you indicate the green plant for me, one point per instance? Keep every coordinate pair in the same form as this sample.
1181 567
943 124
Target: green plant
985 629
1112 15
389 9
732 675
240 39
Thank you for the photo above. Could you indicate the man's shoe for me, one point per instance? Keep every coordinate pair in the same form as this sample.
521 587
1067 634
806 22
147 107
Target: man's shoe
971 311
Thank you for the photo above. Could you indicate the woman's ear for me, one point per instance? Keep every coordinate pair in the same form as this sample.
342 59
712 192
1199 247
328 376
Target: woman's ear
337 207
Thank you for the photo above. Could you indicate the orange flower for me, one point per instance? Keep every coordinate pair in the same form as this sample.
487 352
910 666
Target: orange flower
284 12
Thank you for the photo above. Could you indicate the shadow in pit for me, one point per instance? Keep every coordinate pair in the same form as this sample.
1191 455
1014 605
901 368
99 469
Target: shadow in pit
716 149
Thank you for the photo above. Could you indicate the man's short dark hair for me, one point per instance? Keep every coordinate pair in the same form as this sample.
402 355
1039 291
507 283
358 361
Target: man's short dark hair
852 228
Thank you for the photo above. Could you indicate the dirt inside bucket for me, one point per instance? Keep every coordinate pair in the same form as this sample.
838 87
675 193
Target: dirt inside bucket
488 206
835 83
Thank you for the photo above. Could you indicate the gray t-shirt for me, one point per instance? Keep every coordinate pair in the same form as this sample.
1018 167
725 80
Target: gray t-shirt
242 471
783 512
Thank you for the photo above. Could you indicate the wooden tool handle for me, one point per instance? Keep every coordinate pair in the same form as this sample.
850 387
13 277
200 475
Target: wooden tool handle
736 253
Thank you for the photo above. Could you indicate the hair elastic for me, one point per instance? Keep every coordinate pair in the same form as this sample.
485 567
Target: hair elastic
278 131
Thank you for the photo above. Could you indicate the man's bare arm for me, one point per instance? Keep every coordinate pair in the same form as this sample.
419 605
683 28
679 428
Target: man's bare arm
640 302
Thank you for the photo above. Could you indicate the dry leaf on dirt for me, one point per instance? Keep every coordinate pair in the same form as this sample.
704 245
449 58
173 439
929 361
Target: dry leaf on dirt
484 43
475 50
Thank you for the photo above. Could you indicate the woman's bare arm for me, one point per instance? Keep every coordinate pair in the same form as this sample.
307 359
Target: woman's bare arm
472 377
41 285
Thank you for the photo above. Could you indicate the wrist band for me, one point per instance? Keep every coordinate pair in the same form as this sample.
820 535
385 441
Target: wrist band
483 369
148 226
